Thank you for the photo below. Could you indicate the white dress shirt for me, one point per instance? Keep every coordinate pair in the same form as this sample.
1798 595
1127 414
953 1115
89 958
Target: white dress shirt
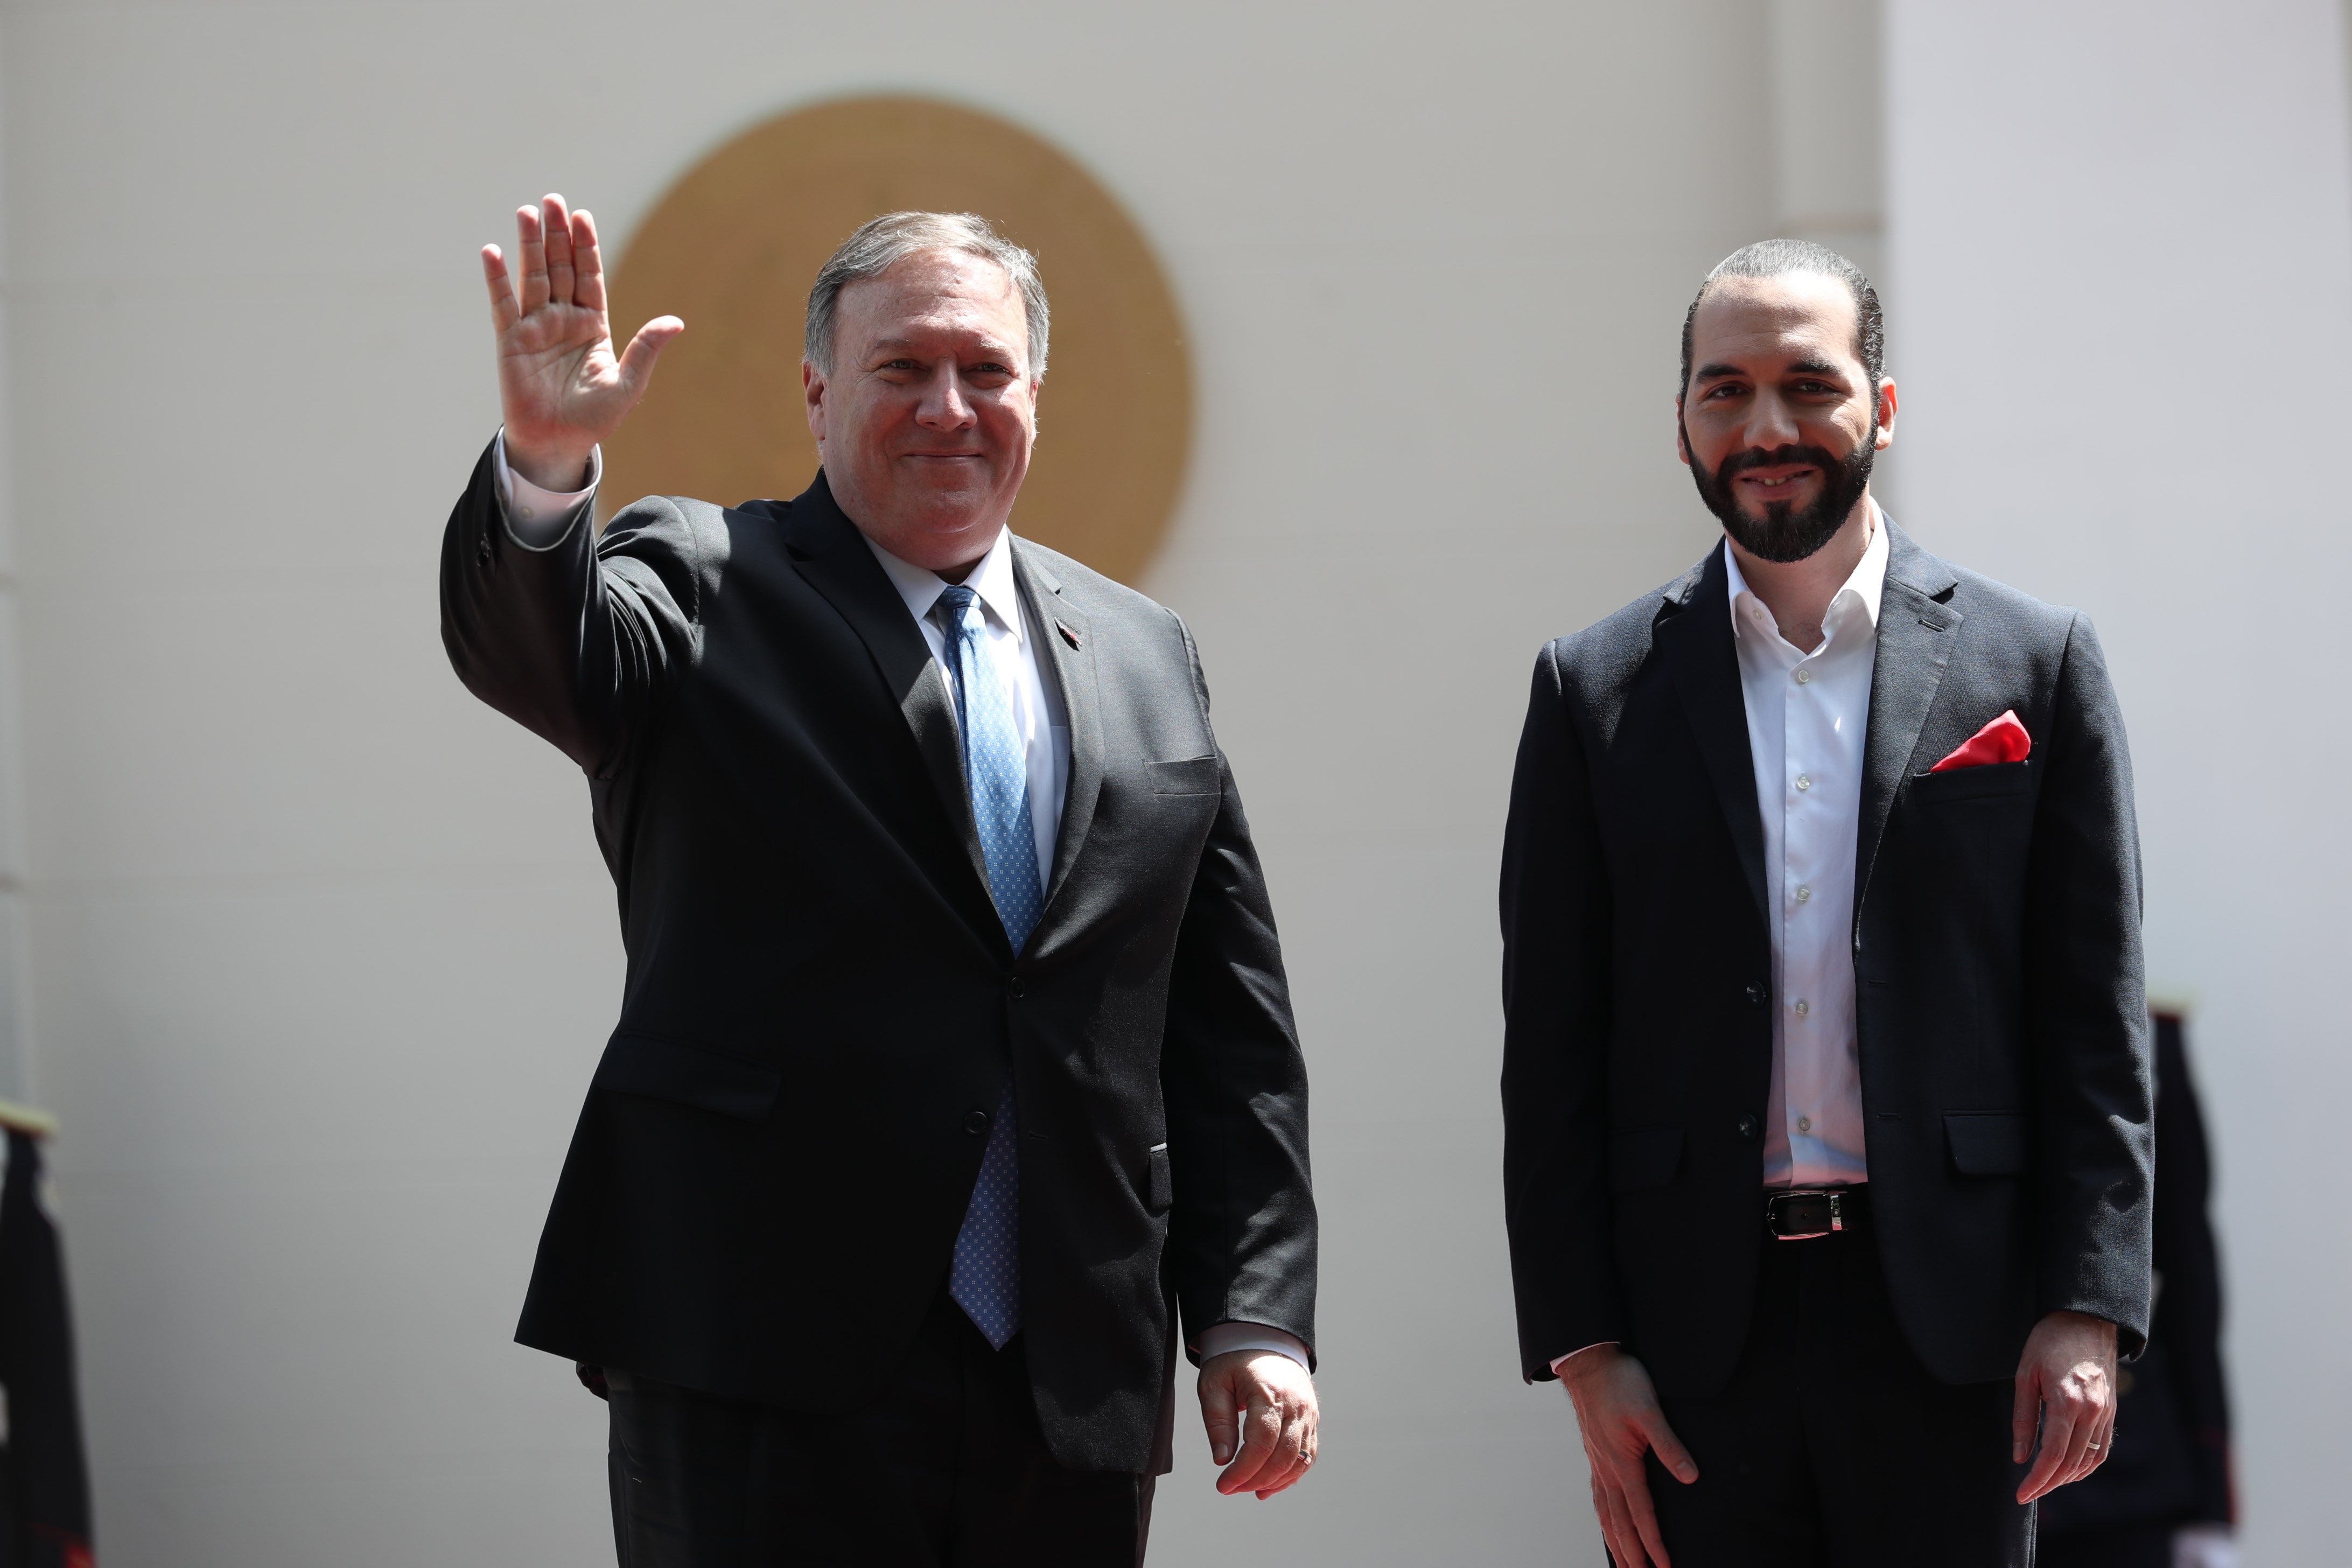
1807 713
1005 647
539 518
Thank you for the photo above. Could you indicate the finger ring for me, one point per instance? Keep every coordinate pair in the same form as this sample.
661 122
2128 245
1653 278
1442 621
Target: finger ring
2094 1447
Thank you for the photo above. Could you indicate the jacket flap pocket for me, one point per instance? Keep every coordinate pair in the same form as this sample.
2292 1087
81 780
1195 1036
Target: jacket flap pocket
1987 1143
1185 775
1973 783
1159 1184
665 1070
1644 1157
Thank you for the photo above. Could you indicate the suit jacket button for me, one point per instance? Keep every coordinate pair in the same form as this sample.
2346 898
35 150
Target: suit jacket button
1748 1125
1014 989
975 1122
1756 992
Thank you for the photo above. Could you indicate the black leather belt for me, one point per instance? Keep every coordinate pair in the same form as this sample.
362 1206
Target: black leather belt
1803 1215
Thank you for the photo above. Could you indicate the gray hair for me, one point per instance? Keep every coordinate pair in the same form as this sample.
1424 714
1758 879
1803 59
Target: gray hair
1774 257
882 243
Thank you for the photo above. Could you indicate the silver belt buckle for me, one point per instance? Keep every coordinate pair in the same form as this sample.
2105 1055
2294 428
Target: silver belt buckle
1837 1217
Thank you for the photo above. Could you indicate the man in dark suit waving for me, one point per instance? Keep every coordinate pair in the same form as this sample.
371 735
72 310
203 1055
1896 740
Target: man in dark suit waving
1826 1074
955 1060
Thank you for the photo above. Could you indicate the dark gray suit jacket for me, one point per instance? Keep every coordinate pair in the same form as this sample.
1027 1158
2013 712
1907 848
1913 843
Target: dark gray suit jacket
2003 1031
820 1006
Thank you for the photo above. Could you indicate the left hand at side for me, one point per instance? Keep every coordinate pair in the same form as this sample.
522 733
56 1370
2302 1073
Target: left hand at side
1260 1411
2066 1378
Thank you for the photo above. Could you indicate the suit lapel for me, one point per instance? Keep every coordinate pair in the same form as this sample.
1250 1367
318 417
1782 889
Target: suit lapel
1916 629
833 558
1065 656
1696 639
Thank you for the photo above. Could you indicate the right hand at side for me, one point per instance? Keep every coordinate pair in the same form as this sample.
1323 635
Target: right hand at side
1617 1411
561 388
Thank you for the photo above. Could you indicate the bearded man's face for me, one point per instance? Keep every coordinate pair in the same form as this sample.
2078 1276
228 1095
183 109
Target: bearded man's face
1780 421
1785 530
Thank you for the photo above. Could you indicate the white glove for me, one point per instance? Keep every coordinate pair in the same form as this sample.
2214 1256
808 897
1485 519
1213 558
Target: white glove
2204 1546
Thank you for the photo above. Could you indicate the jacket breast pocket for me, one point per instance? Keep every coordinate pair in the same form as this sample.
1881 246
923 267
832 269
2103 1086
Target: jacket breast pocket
1644 1157
665 1070
1186 775
1989 782
1987 1143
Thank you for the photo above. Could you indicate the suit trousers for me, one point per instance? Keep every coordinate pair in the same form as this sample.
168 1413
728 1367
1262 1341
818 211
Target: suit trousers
1832 1447
2138 1544
945 1466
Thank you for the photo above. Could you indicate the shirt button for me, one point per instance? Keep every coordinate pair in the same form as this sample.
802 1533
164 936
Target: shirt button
1804 1124
1804 1008
1804 782
1804 895
1804 677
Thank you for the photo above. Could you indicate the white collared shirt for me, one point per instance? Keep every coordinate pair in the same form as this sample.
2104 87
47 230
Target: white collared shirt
1006 646
539 518
1807 716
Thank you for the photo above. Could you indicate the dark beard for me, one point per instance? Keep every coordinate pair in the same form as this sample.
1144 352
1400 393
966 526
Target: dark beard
1785 533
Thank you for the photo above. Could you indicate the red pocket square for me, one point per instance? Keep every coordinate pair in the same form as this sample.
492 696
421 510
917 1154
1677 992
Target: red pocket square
2002 740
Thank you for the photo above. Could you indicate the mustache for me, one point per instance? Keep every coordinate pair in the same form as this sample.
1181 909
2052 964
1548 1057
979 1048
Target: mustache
1758 457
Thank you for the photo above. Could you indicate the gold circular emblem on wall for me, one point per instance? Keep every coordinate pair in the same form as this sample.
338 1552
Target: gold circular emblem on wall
735 244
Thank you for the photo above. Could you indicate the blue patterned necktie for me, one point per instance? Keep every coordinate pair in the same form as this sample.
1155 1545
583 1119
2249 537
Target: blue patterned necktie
985 1279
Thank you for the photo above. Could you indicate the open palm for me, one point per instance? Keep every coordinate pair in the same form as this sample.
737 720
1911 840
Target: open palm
560 387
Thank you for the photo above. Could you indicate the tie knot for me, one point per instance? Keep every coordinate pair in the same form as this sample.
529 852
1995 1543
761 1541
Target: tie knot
960 605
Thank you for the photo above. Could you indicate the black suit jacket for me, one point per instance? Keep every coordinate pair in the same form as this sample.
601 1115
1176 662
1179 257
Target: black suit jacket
820 1006
1998 987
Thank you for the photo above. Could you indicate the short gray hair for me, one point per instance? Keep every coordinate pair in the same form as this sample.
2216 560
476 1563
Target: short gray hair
882 243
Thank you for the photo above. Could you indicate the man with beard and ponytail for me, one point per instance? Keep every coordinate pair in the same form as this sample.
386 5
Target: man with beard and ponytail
1826 1077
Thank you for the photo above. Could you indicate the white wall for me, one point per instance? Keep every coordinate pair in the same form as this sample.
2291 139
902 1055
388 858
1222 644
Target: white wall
2126 248
1827 126
323 952
16 1079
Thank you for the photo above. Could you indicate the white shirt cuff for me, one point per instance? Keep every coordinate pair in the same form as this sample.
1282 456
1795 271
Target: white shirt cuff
1559 1361
539 518
1221 1339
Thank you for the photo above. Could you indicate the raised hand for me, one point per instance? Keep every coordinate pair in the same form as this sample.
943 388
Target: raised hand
561 388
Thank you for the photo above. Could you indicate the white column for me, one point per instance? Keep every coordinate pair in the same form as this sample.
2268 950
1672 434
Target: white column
1828 151
2123 234
1826 125
17 1080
